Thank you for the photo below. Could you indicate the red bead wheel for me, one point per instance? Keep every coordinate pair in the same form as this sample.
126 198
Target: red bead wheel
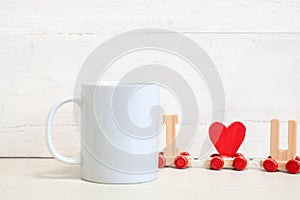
239 163
238 154
161 161
181 162
293 166
270 165
217 163
185 153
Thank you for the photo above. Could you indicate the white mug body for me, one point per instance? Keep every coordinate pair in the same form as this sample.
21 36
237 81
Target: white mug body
118 132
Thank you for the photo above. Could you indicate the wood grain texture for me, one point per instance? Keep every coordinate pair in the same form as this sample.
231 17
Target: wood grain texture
93 17
275 151
170 123
255 46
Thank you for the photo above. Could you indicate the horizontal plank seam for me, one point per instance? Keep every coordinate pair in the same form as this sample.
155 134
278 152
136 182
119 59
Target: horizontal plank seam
37 125
184 123
182 32
26 157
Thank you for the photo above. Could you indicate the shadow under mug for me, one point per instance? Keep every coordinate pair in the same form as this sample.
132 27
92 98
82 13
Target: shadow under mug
119 124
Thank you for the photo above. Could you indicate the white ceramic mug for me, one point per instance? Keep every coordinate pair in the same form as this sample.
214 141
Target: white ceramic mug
118 130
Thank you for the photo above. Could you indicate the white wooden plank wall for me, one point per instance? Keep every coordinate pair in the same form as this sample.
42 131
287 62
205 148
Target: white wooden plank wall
255 46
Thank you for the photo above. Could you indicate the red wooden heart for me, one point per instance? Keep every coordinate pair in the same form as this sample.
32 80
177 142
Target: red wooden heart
227 140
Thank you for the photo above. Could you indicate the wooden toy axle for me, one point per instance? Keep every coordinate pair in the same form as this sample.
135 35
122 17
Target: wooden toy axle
280 165
238 163
170 161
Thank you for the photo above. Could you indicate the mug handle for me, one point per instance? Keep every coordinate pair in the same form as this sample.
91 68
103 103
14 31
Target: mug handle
72 161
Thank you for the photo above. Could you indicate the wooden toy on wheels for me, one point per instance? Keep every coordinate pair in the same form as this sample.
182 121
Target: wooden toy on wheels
227 141
171 156
284 160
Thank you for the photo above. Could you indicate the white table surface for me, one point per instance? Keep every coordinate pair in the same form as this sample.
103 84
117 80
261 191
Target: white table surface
49 179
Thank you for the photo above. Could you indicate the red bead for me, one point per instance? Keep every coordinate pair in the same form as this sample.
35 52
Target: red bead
161 161
239 163
293 166
217 163
297 158
185 153
238 154
181 162
270 165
